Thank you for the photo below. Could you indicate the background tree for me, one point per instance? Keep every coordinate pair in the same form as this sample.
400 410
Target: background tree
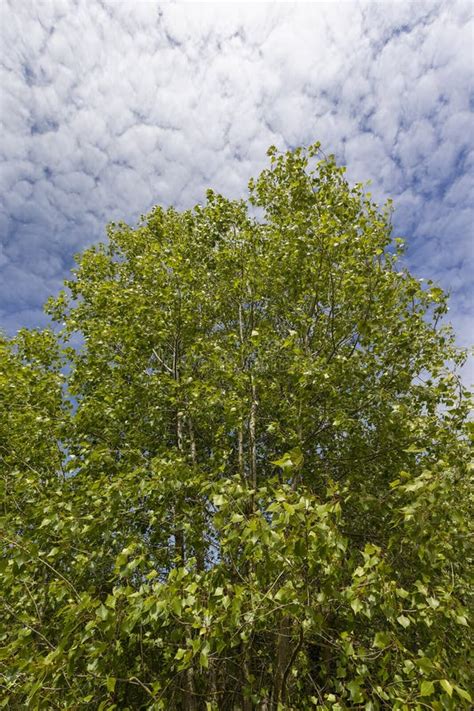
259 498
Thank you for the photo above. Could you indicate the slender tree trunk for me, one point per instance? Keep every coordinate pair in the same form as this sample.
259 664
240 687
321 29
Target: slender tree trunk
282 659
199 549
240 435
192 441
253 438
213 685
241 451
179 535
246 703
190 700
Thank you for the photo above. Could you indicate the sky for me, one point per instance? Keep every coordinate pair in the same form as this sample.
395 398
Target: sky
108 108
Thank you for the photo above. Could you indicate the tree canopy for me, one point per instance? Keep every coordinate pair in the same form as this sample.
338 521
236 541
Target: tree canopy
236 475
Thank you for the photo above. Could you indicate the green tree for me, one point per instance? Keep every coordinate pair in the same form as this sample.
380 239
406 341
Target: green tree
250 489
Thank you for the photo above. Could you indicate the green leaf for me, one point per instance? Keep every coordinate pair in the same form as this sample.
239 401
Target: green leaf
356 605
381 640
414 449
290 460
463 693
204 657
34 689
403 621
446 686
354 690
426 688
111 682
176 605
102 612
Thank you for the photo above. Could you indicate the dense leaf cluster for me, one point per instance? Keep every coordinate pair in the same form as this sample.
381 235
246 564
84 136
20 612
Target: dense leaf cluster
238 477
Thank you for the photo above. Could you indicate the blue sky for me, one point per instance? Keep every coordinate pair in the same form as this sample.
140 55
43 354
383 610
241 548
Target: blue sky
108 108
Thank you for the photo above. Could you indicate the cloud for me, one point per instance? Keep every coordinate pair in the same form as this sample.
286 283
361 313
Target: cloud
109 108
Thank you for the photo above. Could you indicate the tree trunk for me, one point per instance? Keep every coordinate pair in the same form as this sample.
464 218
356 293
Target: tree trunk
282 660
253 439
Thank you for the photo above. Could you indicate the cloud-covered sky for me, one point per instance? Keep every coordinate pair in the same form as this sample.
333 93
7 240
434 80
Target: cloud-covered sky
108 108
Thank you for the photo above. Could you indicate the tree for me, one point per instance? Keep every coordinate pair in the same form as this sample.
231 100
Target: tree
251 489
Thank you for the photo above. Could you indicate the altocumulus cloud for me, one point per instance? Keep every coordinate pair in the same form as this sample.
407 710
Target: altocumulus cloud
110 107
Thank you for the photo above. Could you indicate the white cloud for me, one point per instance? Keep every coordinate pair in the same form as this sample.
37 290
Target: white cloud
110 107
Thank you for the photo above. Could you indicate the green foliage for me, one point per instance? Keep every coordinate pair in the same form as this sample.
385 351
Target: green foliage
239 476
